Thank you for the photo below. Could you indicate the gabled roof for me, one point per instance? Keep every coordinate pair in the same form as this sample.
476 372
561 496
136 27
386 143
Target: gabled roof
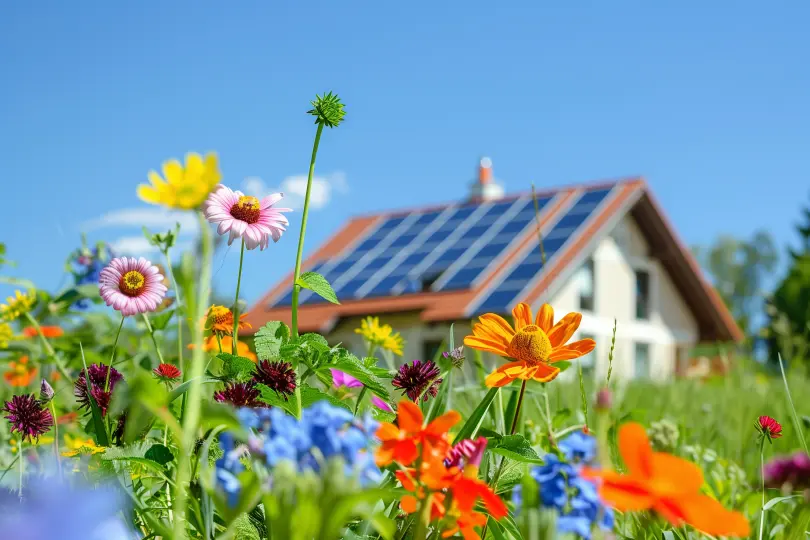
454 261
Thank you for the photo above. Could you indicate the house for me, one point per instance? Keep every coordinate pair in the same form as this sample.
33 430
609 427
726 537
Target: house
609 253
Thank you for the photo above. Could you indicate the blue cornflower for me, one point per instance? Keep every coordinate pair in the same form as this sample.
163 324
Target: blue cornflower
578 448
54 509
575 499
228 467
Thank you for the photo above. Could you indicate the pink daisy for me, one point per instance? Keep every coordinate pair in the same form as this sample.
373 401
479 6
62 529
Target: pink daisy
246 217
131 285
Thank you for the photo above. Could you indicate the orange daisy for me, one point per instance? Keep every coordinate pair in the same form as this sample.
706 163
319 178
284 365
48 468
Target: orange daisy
220 319
399 443
47 331
20 373
534 345
664 483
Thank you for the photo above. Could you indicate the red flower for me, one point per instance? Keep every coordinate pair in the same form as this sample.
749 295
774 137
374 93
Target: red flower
167 372
47 331
769 427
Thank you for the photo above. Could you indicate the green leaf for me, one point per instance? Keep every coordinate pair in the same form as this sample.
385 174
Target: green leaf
269 339
159 454
351 365
160 321
214 414
516 447
773 502
99 427
270 397
311 395
473 423
183 388
561 416
318 284
562 366
236 367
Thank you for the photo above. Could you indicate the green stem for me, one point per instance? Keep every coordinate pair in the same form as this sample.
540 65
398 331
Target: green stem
48 349
22 461
236 301
548 415
219 341
56 439
423 520
178 315
154 339
359 399
112 355
304 214
168 487
192 414
762 474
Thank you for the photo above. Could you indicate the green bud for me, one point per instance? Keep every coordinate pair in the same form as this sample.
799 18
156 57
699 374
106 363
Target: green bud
327 110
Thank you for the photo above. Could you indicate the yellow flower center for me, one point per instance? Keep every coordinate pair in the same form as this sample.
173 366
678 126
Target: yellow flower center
132 283
530 345
246 209
219 315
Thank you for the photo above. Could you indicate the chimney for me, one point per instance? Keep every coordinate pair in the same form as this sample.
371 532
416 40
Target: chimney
485 188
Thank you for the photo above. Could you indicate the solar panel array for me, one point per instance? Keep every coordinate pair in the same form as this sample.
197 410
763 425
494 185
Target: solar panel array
444 249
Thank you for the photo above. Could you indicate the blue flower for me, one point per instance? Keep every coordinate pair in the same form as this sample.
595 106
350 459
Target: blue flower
575 499
228 467
578 448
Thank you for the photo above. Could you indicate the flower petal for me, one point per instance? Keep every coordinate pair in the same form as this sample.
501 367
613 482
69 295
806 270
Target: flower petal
634 446
408 504
705 514
674 475
572 350
563 330
409 417
497 324
522 315
545 318
621 492
485 345
545 373
443 423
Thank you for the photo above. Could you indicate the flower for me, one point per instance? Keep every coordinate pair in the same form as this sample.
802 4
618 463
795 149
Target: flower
466 451
534 347
220 319
212 345
664 483
27 416
77 446
186 187
99 375
604 399
418 379
769 428
340 378
46 392
561 487
227 467
381 336
6 334
131 286
240 394
399 443
167 373
246 217
380 404
278 376
17 305
20 374
456 356
54 508
578 448
788 472
47 331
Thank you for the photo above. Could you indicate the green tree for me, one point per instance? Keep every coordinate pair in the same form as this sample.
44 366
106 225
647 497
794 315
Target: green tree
738 269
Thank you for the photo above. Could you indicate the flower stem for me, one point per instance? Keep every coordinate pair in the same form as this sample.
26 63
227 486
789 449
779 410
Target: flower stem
219 341
762 474
112 355
192 417
154 339
297 273
423 520
179 313
56 439
548 415
236 301
359 399
48 349
22 460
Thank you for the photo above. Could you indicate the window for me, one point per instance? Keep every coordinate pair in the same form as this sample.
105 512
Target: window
585 277
430 348
642 361
642 294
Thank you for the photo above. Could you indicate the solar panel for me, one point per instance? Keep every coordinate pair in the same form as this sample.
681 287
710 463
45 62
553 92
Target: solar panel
529 267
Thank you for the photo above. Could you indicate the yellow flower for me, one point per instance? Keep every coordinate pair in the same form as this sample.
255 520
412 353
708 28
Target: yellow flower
18 305
381 335
220 319
42 441
81 447
184 187
6 334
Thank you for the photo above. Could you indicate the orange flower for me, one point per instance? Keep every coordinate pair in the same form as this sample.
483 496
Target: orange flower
20 374
664 483
400 443
47 331
210 345
220 319
534 346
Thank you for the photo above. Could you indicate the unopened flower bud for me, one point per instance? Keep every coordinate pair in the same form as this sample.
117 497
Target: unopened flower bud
45 392
456 356
604 399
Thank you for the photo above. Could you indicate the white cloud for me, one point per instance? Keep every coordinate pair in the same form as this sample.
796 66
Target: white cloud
154 219
295 188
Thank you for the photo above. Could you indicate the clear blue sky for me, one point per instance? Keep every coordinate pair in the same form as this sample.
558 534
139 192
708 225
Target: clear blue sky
708 100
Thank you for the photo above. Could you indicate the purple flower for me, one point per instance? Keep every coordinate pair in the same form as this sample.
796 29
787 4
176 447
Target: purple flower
418 378
340 378
788 471
466 452
380 404
278 376
27 416
98 381
240 394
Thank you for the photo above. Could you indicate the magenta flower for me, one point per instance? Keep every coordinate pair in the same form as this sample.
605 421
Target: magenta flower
240 394
380 404
98 380
131 286
418 378
246 217
27 416
340 378
278 376
466 452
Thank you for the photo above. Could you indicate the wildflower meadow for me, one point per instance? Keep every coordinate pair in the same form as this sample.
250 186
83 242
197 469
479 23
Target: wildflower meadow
135 408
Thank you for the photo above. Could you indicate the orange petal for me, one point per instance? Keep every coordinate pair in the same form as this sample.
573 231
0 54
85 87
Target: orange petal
443 423
485 345
408 504
545 318
496 379
384 455
409 417
522 315
572 350
619 491
675 476
405 478
497 324
705 514
634 446
484 332
387 431
563 330
405 452
545 373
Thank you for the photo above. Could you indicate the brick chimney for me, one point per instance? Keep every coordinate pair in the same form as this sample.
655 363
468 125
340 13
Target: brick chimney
485 188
